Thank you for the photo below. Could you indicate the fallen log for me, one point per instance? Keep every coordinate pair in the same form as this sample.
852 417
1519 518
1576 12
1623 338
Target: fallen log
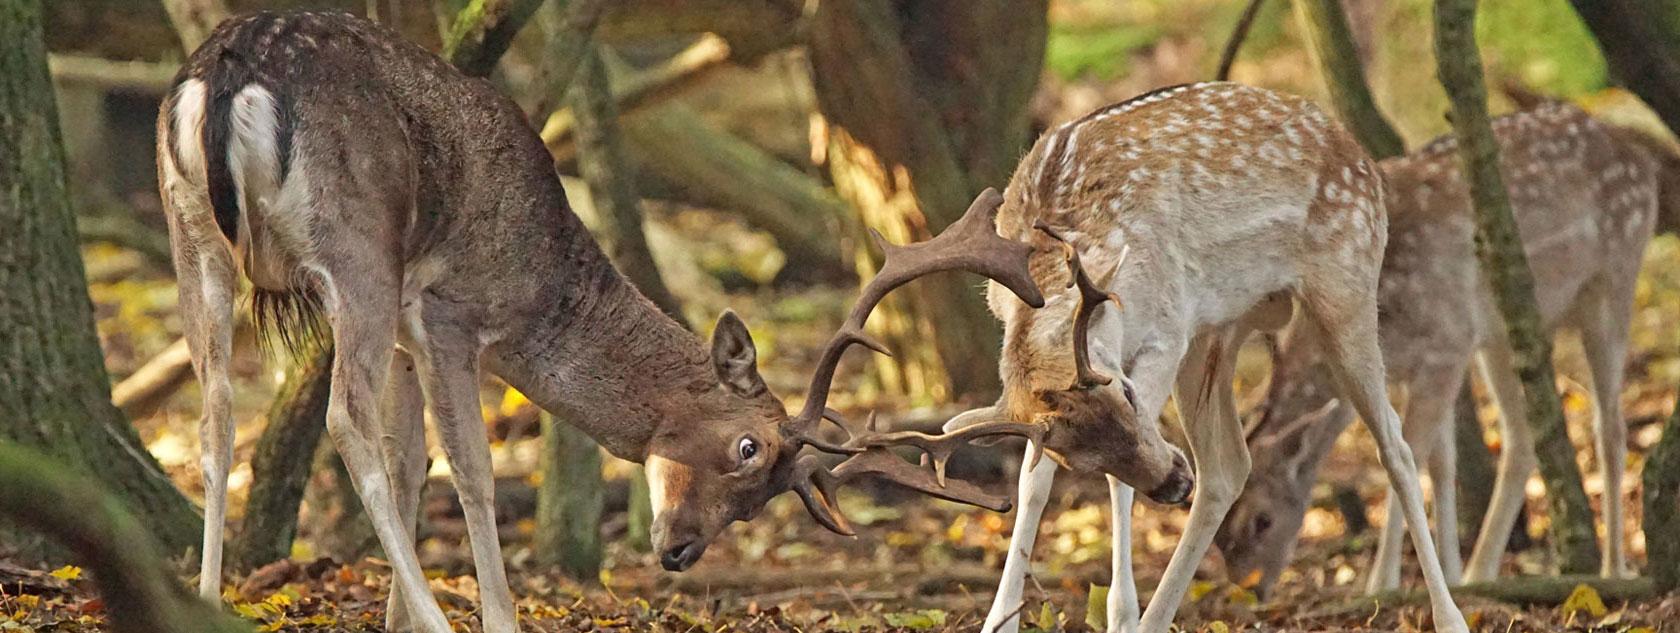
1527 591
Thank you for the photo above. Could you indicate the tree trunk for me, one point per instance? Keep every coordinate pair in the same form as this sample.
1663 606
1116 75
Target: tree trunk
569 30
1641 44
484 30
639 515
1661 480
280 467
54 393
926 105
601 158
1499 247
569 502
1475 464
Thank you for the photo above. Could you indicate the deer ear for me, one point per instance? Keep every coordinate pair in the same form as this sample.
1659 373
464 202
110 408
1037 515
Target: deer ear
734 358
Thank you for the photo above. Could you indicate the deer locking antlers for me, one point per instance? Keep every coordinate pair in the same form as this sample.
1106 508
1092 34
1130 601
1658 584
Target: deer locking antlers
972 244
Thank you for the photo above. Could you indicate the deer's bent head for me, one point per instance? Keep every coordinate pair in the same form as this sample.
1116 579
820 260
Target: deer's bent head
1093 419
749 450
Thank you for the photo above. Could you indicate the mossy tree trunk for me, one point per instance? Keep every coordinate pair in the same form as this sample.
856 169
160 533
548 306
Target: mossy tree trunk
1333 48
1661 480
569 502
926 105
284 456
1499 247
54 394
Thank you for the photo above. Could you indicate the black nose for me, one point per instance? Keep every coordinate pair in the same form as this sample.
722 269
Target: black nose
681 556
1177 487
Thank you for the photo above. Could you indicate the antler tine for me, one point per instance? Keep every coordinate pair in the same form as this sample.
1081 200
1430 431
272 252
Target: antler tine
971 243
939 448
1091 297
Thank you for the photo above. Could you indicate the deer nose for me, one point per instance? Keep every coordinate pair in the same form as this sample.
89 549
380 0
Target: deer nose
681 556
1178 485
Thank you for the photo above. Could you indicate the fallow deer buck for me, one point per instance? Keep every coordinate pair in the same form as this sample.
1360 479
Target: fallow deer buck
1203 209
341 169
1586 196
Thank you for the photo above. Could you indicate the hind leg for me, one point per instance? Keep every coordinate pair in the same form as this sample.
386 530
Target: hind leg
206 279
1604 334
1516 460
1347 322
403 443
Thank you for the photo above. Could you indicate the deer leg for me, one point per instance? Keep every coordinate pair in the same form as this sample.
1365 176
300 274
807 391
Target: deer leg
1426 429
1443 477
1122 590
363 341
1516 461
451 378
207 291
1385 566
1604 334
1208 413
1349 332
403 442
1032 493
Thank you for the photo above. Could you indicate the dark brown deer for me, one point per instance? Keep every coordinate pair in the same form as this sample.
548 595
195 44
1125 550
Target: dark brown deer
1586 196
344 171
1203 209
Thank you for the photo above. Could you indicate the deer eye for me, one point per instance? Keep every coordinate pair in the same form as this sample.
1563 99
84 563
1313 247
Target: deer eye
1262 522
748 448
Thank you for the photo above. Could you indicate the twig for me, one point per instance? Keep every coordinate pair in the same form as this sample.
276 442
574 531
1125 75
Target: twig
1238 35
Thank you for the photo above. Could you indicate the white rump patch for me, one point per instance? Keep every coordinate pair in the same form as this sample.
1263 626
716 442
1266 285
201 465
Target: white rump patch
253 146
188 128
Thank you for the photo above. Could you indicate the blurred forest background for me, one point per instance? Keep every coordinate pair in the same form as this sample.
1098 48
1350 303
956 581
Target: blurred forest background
745 146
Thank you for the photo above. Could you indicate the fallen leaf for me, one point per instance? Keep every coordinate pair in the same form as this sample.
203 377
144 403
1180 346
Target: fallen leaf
1583 599
67 572
1096 607
920 620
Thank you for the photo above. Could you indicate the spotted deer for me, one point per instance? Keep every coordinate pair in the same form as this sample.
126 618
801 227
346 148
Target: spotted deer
1586 196
1202 209
345 172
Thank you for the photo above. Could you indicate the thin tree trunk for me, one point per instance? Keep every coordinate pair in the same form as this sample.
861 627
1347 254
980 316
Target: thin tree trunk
1234 43
925 104
54 393
1475 464
483 31
569 502
1499 247
195 19
601 159
569 27
1661 480
284 456
1326 25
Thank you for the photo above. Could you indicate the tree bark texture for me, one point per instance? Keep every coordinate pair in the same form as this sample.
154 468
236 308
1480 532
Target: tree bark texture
1499 247
139 594
1661 480
284 456
54 394
569 502
602 160
1475 464
483 30
926 105
569 28
1326 25
1640 40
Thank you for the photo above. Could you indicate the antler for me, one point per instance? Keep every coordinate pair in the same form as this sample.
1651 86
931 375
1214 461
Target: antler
1091 297
972 244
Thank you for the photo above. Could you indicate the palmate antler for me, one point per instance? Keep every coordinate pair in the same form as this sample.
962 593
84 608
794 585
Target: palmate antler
1091 297
971 244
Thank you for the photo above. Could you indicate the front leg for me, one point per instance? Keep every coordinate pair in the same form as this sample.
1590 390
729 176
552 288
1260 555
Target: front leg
1031 495
1209 416
1122 590
449 372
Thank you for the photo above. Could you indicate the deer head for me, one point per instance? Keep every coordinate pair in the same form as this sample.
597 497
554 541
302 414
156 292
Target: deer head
1093 420
700 484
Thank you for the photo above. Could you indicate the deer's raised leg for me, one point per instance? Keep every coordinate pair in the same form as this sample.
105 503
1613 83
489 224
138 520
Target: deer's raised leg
1347 322
402 440
1031 494
363 340
1604 334
1516 460
207 291
1209 416
450 373
1122 590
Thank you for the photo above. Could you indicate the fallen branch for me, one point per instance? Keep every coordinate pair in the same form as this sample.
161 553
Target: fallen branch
111 75
143 391
1527 591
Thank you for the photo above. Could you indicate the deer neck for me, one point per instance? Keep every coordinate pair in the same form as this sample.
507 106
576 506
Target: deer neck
602 358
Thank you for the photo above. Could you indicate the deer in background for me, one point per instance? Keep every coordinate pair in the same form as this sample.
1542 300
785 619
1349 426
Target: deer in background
343 171
1203 209
1586 196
